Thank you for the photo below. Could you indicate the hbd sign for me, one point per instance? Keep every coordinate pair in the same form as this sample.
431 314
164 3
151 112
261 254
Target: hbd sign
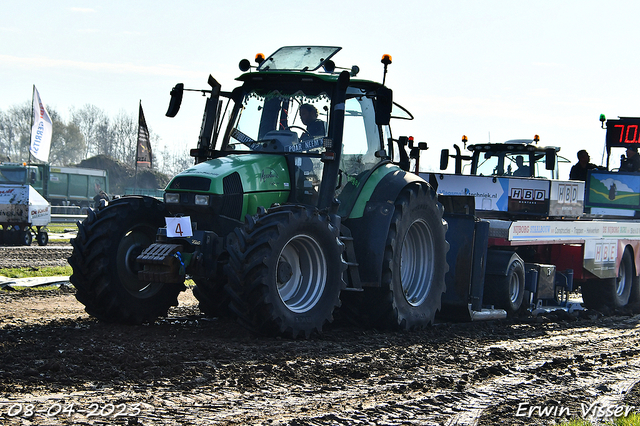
530 200
567 193
526 194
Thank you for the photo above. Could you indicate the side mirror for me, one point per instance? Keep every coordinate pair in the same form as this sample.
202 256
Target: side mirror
550 159
33 177
176 100
444 159
384 104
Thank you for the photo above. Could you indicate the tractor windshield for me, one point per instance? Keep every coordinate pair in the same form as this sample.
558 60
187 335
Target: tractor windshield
519 163
280 123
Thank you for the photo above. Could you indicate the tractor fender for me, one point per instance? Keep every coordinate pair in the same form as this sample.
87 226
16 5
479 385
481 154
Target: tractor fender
370 229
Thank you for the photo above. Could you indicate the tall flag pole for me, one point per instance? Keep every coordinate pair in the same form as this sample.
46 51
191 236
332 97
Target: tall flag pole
41 129
143 155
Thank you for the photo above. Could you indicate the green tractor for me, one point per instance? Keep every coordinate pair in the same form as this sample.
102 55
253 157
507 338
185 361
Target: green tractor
294 206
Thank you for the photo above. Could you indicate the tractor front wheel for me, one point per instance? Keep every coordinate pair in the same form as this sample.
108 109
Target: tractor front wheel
285 271
105 269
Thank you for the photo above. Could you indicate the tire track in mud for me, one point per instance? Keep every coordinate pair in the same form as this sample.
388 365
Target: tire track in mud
560 371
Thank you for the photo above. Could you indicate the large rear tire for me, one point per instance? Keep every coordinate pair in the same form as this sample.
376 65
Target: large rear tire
285 271
613 293
105 270
414 264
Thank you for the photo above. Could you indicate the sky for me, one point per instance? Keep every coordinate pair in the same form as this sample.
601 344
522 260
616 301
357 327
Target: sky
492 70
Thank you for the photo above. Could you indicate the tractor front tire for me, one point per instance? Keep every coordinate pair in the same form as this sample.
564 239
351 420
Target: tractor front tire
105 270
285 271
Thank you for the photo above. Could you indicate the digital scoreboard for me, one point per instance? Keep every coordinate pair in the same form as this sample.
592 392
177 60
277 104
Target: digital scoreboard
623 132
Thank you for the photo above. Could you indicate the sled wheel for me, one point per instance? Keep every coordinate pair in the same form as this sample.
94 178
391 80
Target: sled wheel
25 238
613 292
506 291
414 263
105 270
42 238
285 271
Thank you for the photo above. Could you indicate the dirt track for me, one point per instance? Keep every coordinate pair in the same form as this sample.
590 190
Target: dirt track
189 370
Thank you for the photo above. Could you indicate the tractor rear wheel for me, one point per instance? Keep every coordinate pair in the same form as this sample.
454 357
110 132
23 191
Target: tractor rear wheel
285 271
414 263
105 270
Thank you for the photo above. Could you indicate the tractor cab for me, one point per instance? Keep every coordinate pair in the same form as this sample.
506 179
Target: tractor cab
513 158
322 128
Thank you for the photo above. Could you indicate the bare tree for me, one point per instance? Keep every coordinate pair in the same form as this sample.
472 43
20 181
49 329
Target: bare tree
15 132
124 133
172 161
67 142
93 123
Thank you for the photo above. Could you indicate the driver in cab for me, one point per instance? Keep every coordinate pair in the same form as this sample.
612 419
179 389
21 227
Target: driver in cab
522 170
309 117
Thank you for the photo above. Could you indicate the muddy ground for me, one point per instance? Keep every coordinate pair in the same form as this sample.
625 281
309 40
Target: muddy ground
60 366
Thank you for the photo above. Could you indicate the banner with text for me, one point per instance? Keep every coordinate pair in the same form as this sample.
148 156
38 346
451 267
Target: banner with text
42 129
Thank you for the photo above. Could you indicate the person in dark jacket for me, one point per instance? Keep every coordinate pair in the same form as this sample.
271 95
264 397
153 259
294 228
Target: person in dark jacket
632 162
579 170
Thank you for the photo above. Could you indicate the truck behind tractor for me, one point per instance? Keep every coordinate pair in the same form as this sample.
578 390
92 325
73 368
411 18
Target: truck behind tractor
293 208
61 186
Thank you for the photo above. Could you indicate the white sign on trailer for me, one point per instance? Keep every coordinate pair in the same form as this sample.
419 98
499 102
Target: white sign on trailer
21 204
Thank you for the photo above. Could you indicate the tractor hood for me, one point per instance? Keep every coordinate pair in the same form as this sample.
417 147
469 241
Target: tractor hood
255 172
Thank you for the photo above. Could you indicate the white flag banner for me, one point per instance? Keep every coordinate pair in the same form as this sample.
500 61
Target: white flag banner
42 129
